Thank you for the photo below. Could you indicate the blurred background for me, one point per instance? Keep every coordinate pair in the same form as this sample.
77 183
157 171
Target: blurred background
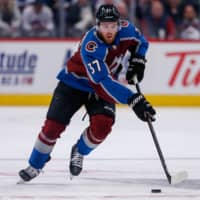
37 37
164 19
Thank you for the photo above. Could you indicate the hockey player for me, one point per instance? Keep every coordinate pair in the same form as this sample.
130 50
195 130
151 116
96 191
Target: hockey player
89 79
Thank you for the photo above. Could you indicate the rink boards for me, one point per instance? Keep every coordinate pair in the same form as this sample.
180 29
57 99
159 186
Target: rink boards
28 70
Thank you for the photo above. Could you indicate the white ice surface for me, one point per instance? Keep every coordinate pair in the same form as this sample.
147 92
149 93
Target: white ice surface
125 166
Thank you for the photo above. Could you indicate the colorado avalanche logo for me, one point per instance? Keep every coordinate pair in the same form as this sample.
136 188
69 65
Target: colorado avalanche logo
124 23
91 46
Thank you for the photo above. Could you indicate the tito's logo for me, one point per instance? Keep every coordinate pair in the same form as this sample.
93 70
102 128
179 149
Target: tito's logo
187 68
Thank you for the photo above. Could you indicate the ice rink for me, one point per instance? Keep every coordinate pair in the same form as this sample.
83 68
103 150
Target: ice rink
125 166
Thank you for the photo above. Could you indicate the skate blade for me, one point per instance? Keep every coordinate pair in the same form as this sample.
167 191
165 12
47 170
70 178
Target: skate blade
71 176
21 181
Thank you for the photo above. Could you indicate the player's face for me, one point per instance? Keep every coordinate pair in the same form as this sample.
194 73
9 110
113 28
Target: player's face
108 31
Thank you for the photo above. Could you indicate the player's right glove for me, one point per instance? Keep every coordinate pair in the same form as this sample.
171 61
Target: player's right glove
142 108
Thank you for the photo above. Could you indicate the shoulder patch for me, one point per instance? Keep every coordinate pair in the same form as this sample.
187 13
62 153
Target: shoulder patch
124 23
91 46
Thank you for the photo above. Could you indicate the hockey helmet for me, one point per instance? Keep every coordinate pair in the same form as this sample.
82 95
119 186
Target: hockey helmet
107 13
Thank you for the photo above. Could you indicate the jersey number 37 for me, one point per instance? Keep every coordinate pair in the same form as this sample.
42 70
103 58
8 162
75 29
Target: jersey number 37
94 66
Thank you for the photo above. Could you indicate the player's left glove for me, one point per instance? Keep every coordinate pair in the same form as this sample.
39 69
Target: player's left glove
136 68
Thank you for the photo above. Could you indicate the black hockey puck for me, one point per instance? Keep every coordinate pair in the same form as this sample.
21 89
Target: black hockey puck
156 190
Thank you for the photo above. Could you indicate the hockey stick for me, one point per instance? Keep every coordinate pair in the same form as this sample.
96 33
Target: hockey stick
180 176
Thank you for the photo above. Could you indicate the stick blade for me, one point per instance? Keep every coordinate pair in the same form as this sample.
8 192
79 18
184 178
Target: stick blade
179 177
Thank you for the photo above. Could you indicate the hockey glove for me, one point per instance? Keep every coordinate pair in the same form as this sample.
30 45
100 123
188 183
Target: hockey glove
142 108
136 68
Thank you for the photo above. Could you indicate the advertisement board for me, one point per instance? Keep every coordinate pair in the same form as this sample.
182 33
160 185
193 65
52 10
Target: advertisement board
28 70
173 68
31 67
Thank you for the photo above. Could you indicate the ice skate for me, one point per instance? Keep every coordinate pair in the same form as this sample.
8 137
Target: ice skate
28 174
76 162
